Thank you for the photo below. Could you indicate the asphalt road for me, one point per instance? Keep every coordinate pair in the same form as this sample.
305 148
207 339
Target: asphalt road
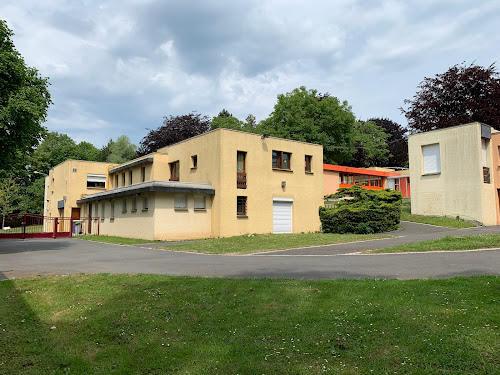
67 256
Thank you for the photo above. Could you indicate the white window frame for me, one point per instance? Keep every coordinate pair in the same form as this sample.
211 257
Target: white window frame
431 159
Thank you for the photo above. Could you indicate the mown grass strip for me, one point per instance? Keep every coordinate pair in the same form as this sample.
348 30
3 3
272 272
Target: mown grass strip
265 242
114 239
435 220
450 243
150 324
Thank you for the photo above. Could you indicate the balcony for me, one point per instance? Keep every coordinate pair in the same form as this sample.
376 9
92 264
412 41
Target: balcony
241 180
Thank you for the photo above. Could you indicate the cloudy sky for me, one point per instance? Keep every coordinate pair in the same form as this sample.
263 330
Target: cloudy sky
119 67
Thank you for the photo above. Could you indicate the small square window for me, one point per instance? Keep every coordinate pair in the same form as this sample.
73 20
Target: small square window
241 206
194 161
199 202
74 170
180 202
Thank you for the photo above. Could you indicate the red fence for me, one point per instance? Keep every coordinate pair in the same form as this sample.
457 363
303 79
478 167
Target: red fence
38 226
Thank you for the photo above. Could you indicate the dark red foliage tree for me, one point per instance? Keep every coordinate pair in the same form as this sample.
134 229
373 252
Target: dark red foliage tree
397 143
174 129
461 95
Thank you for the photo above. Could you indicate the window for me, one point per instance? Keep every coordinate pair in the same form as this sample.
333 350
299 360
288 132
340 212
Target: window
174 171
431 158
103 210
116 181
123 179
308 163
112 210
130 177
96 213
124 205
199 202
143 174
74 170
241 174
96 181
180 202
282 160
134 204
194 161
145 203
241 206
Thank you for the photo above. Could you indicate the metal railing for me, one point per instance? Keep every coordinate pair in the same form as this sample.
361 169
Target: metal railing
241 180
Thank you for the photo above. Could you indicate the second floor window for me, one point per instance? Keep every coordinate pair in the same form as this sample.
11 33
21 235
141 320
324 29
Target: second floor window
174 171
143 174
241 175
308 163
130 177
282 160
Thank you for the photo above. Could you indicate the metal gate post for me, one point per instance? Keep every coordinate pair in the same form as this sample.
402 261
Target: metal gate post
56 221
71 227
98 226
24 226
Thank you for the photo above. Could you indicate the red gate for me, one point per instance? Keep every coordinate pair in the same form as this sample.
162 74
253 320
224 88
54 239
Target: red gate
38 226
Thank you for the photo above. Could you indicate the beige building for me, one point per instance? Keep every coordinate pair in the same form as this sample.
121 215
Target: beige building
221 183
454 172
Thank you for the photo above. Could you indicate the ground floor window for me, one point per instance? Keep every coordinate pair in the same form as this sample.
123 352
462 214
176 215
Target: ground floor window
241 206
199 202
180 202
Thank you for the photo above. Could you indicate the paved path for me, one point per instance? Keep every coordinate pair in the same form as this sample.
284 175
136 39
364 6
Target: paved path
64 256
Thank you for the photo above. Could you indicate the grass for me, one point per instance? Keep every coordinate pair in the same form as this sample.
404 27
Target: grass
447 244
35 228
265 242
149 324
435 220
114 239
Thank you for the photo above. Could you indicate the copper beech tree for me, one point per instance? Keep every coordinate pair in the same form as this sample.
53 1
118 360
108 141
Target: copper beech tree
463 94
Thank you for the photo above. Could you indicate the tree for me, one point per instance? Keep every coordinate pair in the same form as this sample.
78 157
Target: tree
461 95
305 115
174 129
397 143
105 151
24 100
54 149
370 142
227 122
9 194
122 150
250 122
86 151
32 197
224 113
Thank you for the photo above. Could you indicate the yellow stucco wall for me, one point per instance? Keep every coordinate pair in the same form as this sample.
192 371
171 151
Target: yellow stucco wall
62 182
495 171
459 189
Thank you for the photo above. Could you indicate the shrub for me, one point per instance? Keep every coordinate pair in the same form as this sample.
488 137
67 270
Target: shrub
365 211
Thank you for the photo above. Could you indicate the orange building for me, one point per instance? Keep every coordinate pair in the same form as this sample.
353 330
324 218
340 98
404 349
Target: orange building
338 176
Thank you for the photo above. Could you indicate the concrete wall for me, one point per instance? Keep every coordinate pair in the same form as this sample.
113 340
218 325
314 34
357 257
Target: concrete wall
458 190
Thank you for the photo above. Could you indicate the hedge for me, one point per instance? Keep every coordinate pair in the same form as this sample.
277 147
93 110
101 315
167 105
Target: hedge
366 211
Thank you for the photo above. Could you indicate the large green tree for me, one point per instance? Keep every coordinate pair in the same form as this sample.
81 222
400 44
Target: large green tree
370 143
305 115
9 196
121 150
397 143
54 149
24 101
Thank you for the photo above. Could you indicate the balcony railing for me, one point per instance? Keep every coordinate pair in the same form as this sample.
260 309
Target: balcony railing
486 175
241 180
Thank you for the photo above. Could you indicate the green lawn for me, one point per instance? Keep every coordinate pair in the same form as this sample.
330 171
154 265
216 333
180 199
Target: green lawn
29 229
265 242
145 324
435 220
447 244
114 239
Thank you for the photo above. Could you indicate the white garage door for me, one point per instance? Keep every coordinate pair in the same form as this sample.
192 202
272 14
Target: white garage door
282 215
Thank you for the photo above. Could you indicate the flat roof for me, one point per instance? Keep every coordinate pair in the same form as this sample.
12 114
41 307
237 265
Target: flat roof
370 172
151 186
131 164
